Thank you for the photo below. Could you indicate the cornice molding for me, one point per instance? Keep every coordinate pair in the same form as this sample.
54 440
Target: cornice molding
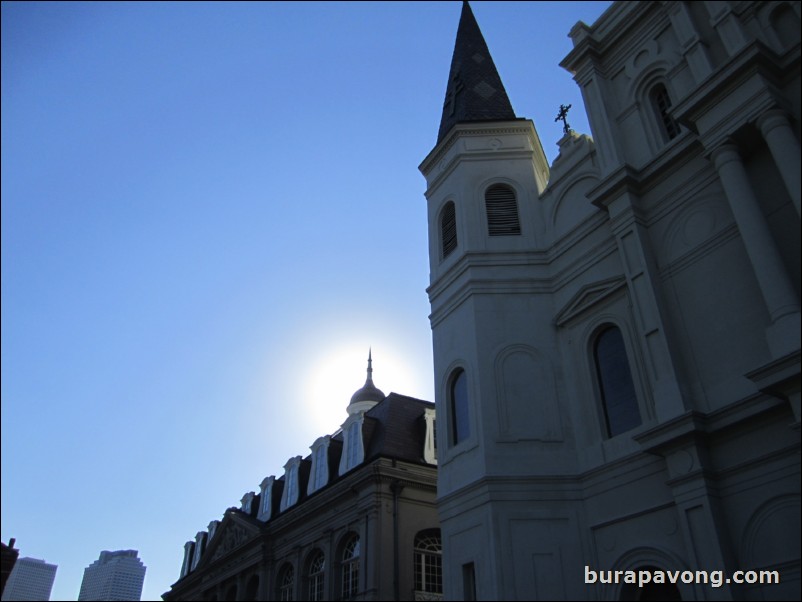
495 128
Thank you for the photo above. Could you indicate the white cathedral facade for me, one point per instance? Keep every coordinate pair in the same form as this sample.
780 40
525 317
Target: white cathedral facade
617 335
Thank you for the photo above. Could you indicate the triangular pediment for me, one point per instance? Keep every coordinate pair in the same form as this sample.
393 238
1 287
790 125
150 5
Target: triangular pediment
234 530
588 296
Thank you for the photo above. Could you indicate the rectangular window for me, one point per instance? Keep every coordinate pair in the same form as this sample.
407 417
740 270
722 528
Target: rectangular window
468 582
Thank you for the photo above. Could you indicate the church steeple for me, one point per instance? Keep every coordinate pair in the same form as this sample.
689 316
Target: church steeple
474 91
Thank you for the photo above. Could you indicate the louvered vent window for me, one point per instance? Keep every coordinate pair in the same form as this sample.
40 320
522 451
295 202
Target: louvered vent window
662 103
448 229
502 211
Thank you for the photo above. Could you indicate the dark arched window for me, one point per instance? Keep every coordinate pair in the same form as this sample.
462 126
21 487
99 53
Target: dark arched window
286 578
785 23
448 229
617 390
428 558
458 403
252 589
350 567
502 211
661 102
231 592
665 592
315 573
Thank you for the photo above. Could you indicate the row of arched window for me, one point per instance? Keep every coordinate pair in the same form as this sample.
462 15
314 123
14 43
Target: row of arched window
615 387
315 573
428 570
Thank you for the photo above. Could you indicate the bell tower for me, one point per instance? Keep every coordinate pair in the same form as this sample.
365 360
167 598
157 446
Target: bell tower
499 422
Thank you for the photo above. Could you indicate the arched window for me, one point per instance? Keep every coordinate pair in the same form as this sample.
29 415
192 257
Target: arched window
448 229
458 403
252 589
321 467
502 211
661 102
315 574
617 390
350 567
665 592
428 558
785 23
286 577
231 592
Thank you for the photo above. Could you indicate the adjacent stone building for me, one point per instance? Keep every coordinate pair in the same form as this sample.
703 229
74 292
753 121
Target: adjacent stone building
617 334
354 519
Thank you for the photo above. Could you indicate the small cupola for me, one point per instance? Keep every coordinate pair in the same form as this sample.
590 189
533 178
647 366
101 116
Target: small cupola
368 396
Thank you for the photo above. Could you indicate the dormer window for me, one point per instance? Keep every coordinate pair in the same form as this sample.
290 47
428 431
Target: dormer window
430 441
353 447
247 502
200 540
186 566
290 494
353 444
320 464
212 529
266 507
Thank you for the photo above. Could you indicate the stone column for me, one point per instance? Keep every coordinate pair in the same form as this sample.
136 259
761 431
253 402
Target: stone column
775 285
651 326
701 516
784 148
727 24
691 45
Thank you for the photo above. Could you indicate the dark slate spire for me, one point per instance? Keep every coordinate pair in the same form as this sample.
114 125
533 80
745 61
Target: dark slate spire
475 91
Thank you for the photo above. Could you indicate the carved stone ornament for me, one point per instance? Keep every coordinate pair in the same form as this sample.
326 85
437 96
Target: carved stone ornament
233 536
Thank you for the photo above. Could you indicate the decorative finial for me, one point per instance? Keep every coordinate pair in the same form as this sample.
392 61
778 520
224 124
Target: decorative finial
370 363
563 115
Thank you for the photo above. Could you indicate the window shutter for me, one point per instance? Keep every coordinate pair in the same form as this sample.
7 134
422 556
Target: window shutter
662 103
448 229
502 211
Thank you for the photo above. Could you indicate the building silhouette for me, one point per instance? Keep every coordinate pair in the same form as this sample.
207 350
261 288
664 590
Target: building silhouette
30 579
8 557
617 335
354 519
114 576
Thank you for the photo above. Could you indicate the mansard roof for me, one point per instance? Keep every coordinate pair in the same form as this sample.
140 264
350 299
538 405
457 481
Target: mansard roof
394 428
474 91
399 429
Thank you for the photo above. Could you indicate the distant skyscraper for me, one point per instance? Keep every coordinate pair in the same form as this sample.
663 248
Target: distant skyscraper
114 576
31 579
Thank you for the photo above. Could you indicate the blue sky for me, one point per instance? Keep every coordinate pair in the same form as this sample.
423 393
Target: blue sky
209 213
